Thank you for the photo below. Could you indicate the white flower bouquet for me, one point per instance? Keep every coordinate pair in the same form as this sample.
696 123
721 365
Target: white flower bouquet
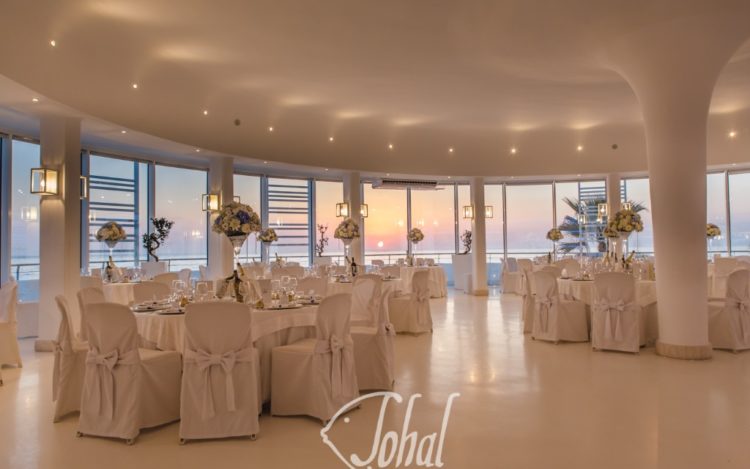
415 235
554 235
111 233
268 236
610 232
236 219
712 230
625 222
347 230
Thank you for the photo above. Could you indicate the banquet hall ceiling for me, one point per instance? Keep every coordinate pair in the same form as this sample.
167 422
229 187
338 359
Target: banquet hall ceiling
420 86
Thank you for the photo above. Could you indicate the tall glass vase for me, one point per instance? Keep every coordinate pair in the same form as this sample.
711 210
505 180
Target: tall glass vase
347 254
234 279
266 255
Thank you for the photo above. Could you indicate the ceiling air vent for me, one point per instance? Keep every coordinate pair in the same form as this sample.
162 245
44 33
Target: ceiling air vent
404 183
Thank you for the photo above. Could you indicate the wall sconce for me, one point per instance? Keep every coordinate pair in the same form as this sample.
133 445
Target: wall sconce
582 219
211 203
364 210
626 206
237 199
44 181
469 212
342 210
601 212
488 211
29 214
84 188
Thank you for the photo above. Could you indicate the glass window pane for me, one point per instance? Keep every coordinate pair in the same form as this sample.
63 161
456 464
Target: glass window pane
716 210
248 190
178 198
739 194
432 212
24 239
327 195
493 195
637 192
385 227
529 209
289 215
576 206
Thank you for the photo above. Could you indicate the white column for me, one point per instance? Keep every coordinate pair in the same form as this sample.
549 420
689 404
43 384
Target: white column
672 67
479 241
59 223
613 203
353 196
221 180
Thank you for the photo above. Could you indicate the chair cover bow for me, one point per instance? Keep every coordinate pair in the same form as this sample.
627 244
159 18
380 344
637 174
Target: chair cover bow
208 361
743 305
613 316
335 346
389 329
423 295
545 305
105 364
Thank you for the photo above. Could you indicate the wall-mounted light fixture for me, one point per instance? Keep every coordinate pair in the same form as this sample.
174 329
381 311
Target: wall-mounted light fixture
364 210
84 188
626 206
44 181
342 209
601 212
469 212
211 202
489 211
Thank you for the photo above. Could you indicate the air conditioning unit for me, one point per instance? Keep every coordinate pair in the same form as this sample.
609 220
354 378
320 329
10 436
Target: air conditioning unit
404 183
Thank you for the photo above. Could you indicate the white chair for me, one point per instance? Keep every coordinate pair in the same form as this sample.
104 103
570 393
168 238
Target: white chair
316 377
166 278
570 265
527 319
9 352
512 279
319 285
729 321
430 262
392 271
152 268
88 281
555 270
87 296
555 319
150 291
378 263
185 275
322 260
366 299
203 272
69 367
373 351
412 313
723 266
220 395
125 388
617 321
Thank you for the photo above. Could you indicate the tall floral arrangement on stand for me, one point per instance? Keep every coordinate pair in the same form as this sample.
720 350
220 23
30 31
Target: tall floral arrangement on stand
347 231
414 236
712 231
267 237
611 234
236 221
110 234
554 235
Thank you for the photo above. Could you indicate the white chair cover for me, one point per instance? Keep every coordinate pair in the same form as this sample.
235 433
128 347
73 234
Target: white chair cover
392 271
203 272
723 266
152 268
166 278
150 291
729 323
87 296
91 281
69 367
319 285
527 322
322 260
430 262
366 299
511 278
378 263
412 313
554 270
373 351
316 377
555 319
125 389
617 321
9 351
220 395
185 275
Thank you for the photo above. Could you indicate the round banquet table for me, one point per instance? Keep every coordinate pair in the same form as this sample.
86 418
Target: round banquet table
438 283
270 328
388 286
121 293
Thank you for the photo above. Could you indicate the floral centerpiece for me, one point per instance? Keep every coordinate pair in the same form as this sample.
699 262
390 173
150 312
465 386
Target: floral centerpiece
610 232
625 222
236 220
712 231
266 237
111 233
415 235
554 235
347 230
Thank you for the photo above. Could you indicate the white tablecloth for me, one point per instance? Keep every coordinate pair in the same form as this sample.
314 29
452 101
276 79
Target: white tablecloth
118 293
395 285
438 282
582 290
269 329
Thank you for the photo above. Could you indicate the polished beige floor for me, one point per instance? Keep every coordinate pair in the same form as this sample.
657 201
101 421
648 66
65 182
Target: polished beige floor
523 404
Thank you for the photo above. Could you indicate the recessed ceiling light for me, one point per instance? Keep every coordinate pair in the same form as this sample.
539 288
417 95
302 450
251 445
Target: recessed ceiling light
123 131
330 139
512 177
732 133
265 162
578 175
390 146
270 129
326 169
135 86
449 177
579 148
53 43
513 150
450 150
205 112
734 164
197 150
34 100
387 174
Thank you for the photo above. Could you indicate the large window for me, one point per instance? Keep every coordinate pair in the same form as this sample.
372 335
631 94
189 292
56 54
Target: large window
739 194
385 227
25 221
327 195
716 210
289 215
248 189
177 197
637 192
433 212
118 191
493 196
529 217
